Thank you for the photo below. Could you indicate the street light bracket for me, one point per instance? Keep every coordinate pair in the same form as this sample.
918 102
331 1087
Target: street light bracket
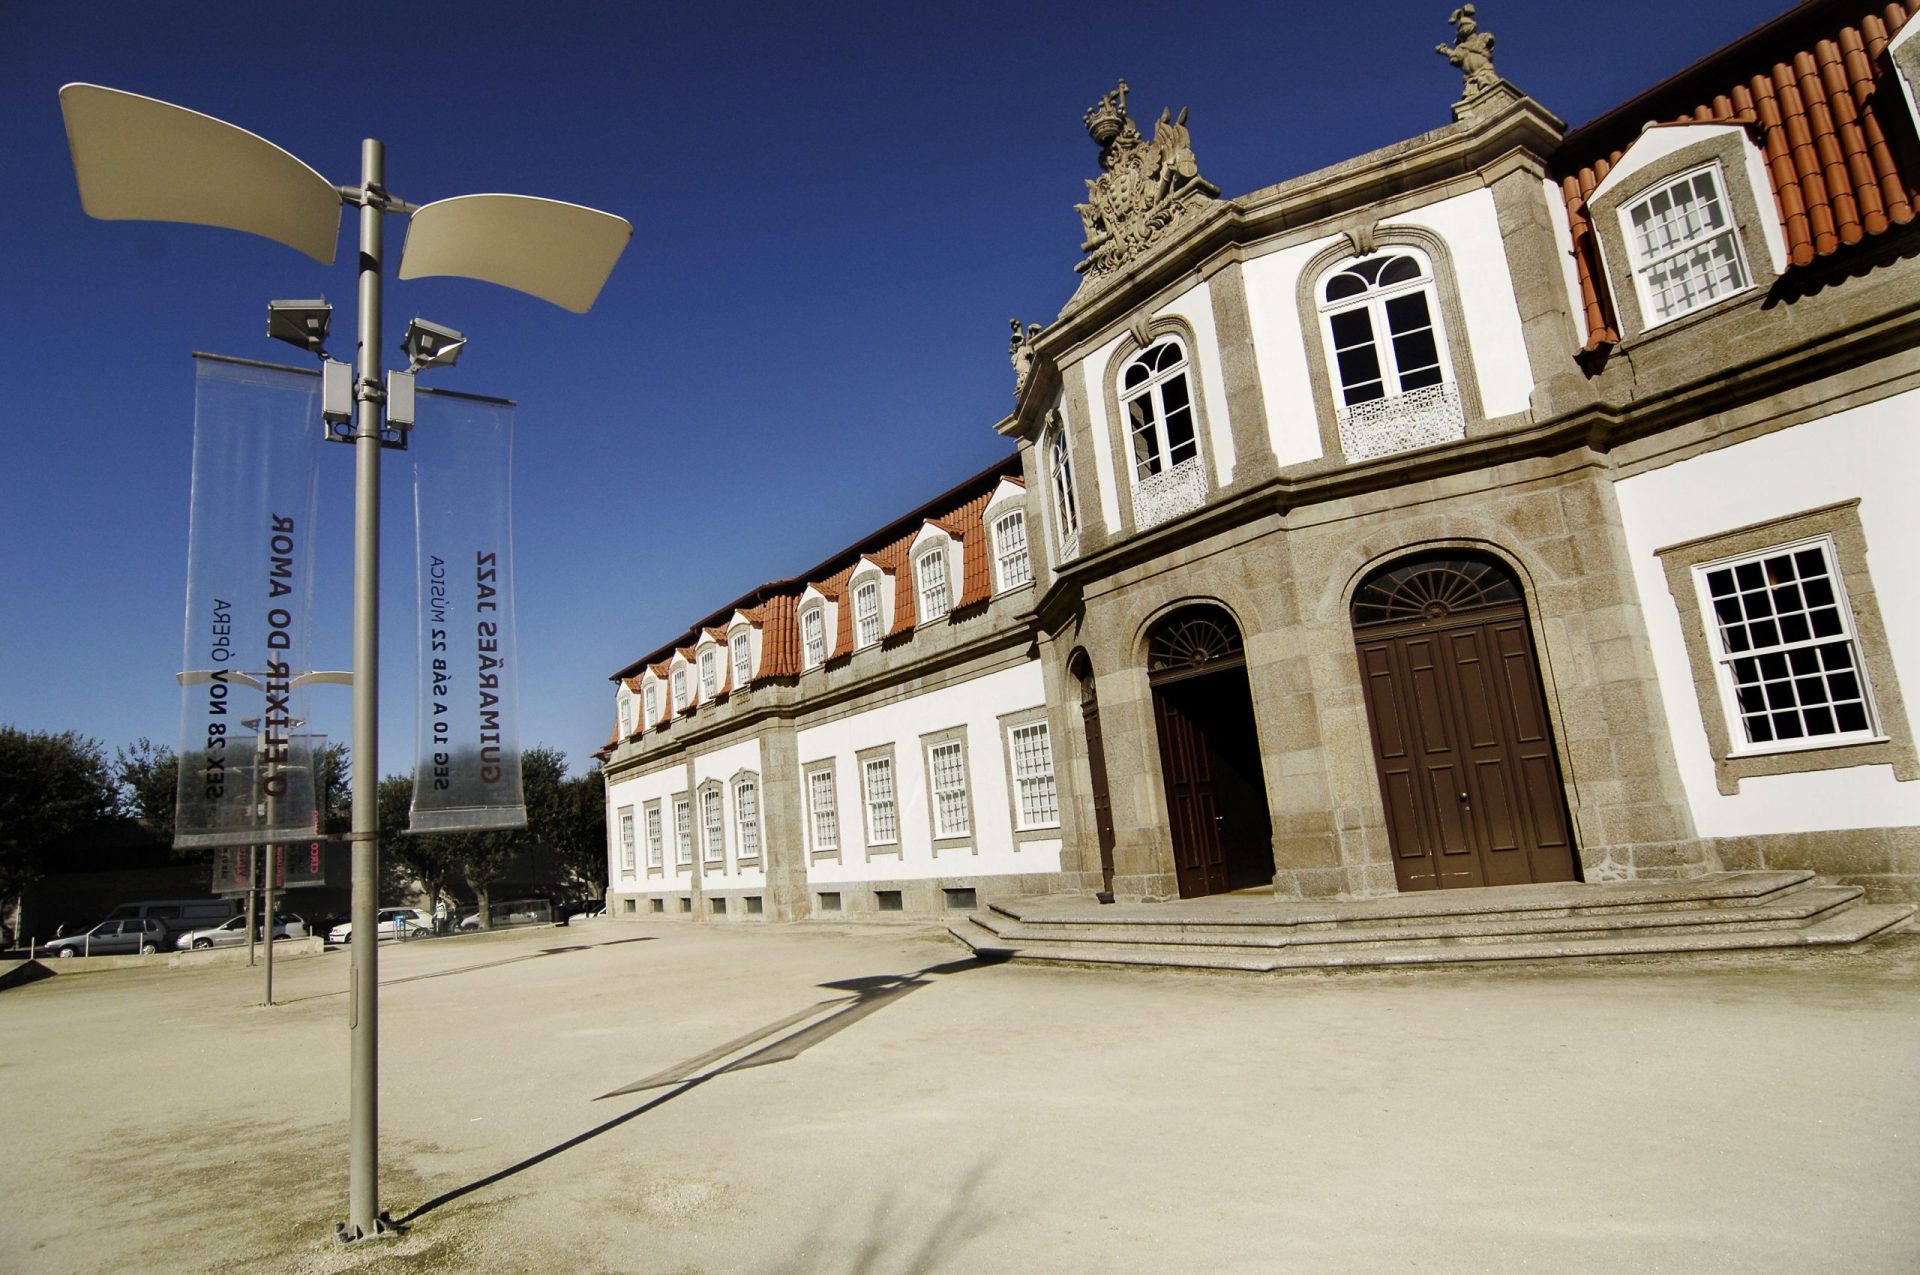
556 251
138 159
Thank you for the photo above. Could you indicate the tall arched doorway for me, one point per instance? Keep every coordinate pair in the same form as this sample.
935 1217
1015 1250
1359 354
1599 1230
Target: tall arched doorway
1217 813
1461 737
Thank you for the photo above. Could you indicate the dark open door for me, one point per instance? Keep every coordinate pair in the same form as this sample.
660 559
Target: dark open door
1468 776
1193 818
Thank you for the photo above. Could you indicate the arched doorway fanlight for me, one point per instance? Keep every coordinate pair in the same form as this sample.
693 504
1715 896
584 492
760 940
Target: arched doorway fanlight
1196 639
1433 588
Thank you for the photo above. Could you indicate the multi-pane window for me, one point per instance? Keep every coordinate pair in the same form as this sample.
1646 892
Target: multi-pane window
682 832
947 771
1010 550
709 674
742 659
1066 512
866 613
1032 752
653 836
626 839
813 633
713 818
746 814
930 573
826 822
1685 249
679 690
650 701
1156 394
1784 640
883 815
626 714
1381 328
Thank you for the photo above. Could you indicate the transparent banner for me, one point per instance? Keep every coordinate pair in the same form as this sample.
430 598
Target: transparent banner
245 777
467 770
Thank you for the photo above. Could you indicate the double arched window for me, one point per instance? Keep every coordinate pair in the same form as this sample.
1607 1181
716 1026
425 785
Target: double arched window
1382 331
1157 396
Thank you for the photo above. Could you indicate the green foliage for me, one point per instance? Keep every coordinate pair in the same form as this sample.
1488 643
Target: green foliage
333 789
148 775
51 787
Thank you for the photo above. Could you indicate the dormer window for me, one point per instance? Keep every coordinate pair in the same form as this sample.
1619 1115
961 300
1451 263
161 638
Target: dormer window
679 690
813 636
626 714
742 658
1154 391
650 703
866 613
1011 559
709 674
930 576
1684 247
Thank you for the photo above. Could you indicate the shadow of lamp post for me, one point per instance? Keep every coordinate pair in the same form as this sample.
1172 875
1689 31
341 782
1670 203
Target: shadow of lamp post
139 159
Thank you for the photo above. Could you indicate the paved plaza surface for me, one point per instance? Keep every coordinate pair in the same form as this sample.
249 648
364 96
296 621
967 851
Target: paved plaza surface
657 1096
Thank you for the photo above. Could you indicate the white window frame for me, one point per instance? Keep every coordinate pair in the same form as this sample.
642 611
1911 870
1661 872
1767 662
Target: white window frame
1644 265
741 642
1066 507
947 785
868 626
933 589
650 702
1013 565
709 673
1153 390
683 831
626 714
1740 740
1374 300
627 849
680 694
823 816
746 818
1036 787
713 823
813 636
656 849
881 800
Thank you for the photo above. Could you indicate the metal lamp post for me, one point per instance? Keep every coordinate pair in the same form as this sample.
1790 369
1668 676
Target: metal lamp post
136 158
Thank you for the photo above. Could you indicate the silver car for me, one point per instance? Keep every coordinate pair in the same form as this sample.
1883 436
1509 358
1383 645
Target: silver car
116 937
286 925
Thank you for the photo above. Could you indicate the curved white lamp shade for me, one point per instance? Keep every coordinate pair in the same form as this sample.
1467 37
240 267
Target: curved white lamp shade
558 252
140 159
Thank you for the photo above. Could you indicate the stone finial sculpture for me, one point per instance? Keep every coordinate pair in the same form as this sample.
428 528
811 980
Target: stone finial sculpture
1023 355
1472 52
1143 188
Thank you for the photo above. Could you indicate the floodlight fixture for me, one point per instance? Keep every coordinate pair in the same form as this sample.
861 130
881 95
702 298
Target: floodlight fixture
430 344
301 323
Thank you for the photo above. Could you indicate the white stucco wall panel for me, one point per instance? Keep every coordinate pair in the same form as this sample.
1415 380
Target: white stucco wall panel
977 705
1100 429
637 791
1870 453
1470 225
723 764
1280 350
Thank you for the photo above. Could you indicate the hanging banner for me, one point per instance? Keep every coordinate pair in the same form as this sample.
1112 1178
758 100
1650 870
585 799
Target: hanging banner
245 777
466 775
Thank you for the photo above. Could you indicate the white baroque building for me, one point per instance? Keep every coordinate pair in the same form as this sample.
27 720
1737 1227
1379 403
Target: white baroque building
1509 504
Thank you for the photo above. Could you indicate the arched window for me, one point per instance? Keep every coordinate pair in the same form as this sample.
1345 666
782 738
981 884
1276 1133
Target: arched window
1156 395
1434 589
742 658
813 636
1194 640
1066 513
866 613
1393 380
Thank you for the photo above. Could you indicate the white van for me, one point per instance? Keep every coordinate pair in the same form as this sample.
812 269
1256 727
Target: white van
179 914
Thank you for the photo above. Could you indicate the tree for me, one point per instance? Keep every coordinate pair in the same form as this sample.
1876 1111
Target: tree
51 787
429 859
580 840
333 789
148 775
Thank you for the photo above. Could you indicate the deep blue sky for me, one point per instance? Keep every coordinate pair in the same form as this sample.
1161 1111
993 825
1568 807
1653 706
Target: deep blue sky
837 208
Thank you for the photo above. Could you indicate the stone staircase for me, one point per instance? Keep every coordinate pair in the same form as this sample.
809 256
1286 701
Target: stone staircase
1720 912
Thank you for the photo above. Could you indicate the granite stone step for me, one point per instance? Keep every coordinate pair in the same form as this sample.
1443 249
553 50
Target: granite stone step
1837 926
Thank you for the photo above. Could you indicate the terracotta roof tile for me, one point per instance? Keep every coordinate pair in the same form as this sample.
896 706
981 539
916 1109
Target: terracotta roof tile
1814 113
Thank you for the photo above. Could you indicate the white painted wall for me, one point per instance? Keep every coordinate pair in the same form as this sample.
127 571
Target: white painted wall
976 704
1196 307
1870 453
1100 429
723 764
1470 225
1280 350
637 791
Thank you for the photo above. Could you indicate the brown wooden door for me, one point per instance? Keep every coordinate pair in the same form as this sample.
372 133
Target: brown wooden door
1465 757
1193 818
1097 780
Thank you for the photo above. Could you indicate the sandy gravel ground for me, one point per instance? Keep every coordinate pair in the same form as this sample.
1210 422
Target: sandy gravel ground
653 1096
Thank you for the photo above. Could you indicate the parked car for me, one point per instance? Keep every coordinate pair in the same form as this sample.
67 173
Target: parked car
115 936
179 914
286 925
392 923
515 912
